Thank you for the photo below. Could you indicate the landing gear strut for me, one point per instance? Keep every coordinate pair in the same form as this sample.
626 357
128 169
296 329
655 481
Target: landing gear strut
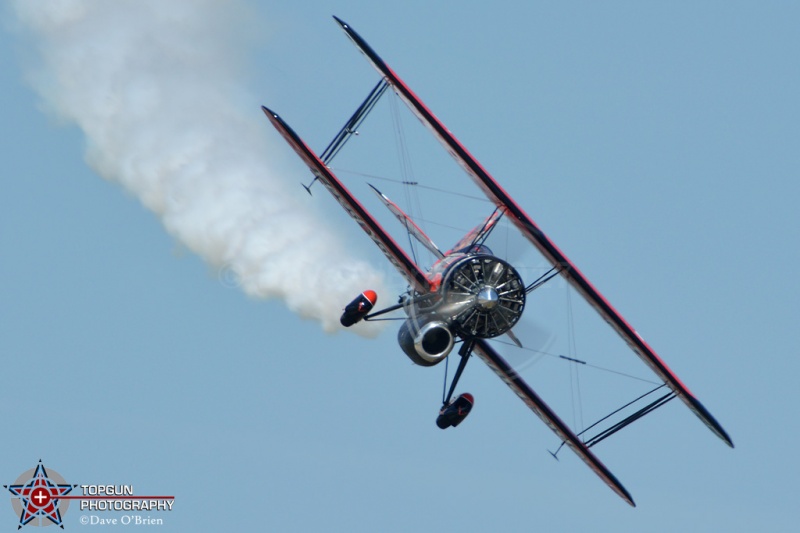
454 412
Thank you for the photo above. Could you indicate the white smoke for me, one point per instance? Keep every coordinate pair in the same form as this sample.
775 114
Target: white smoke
156 86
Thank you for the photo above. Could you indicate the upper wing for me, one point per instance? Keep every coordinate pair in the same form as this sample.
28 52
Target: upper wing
532 232
532 400
396 255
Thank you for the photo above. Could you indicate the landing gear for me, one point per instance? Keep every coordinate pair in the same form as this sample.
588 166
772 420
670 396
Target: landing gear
454 412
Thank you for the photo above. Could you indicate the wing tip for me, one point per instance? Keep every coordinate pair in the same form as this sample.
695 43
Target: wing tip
612 481
379 193
628 498
708 419
727 439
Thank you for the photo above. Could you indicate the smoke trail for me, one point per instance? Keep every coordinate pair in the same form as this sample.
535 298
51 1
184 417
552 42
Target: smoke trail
155 86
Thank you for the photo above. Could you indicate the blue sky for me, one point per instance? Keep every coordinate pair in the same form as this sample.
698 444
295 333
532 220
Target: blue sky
655 144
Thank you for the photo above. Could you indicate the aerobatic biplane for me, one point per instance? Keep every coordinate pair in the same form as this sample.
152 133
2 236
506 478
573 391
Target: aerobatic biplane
470 295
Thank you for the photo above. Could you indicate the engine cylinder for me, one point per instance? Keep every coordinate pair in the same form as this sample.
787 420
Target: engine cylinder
426 342
483 296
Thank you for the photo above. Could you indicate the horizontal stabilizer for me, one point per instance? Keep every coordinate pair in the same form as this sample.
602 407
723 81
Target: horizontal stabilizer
409 224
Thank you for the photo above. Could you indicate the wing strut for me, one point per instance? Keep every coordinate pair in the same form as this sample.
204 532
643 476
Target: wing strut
350 127
464 352
604 434
629 420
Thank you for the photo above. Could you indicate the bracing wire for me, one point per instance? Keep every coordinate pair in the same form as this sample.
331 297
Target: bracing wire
406 170
574 379
543 353
411 183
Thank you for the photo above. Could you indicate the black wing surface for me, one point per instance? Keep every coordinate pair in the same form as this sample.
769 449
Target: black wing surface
393 252
536 236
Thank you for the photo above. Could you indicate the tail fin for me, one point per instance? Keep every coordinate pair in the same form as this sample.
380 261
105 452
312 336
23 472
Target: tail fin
480 232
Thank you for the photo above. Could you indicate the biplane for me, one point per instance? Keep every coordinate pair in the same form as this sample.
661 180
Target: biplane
470 295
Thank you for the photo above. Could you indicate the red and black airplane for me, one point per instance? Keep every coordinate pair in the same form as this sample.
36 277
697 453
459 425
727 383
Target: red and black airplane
470 295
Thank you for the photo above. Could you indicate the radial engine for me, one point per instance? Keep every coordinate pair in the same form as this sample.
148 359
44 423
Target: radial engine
480 296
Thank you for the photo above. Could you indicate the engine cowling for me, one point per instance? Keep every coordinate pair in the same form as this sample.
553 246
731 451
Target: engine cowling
426 342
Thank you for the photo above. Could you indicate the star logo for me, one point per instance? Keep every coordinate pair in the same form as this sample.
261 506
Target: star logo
36 494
